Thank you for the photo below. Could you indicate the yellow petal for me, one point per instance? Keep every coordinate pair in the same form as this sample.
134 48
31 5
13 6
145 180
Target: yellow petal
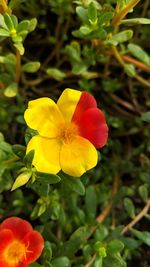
67 102
47 152
78 156
44 116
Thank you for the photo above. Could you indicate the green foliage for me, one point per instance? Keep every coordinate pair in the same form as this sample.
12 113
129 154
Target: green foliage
47 46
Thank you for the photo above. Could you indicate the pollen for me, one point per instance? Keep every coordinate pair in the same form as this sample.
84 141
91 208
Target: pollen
15 252
68 132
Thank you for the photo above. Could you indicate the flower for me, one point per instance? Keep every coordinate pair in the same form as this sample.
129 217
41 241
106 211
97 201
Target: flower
20 245
68 132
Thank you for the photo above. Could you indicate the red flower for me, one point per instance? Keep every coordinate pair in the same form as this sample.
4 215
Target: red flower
20 245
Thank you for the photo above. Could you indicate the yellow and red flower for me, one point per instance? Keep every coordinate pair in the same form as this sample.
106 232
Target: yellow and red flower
68 132
20 245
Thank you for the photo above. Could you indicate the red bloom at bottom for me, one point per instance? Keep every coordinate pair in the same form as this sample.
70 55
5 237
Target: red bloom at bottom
20 245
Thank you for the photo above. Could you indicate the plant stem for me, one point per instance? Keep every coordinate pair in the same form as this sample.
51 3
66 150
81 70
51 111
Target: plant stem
91 261
106 211
137 218
11 160
119 16
137 63
117 56
122 63
143 81
18 65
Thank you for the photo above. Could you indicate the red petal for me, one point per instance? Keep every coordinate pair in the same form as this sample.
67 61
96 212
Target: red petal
6 236
93 127
4 264
35 244
86 101
18 226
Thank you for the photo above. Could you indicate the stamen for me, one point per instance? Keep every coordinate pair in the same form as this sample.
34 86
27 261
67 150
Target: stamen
15 252
67 132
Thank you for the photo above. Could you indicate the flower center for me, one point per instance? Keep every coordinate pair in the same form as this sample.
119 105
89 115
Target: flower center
67 132
15 252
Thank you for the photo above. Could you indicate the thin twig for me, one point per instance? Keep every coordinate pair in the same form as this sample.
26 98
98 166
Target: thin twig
123 103
91 261
101 217
122 63
138 217
142 80
137 63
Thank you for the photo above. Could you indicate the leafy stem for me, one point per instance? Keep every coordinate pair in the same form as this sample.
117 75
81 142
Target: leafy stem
120 15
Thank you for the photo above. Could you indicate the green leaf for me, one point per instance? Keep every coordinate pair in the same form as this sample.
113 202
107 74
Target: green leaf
130 70
73 51
42 209
91 201
135 21
85 29
47 178
78 238
143 191
16 38
56 74
129 206
11 90
21 180
98 262
61 261
23 26
74 184
47 252
29 134
143 236
104 17
82 13
115 261
99 34
114 247
2 22
21 36
79 68
1 137
4 33
14 20
146 116
29 158
32 24
31 67
92 13
101 232
19 150
139 53
20 47
9 22
120 37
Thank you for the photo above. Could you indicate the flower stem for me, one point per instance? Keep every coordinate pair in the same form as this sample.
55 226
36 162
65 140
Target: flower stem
119 16
18 65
